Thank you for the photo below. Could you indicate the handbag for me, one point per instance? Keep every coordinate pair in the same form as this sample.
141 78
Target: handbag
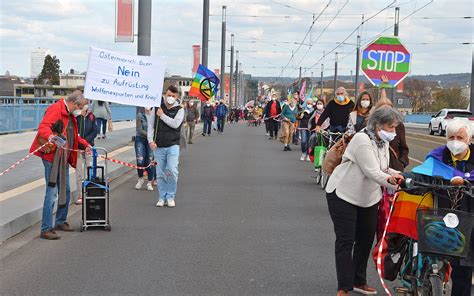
319 151
110 125
334 154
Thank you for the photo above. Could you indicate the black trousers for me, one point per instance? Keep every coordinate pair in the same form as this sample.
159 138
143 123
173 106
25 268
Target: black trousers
462 280
273 127
355 230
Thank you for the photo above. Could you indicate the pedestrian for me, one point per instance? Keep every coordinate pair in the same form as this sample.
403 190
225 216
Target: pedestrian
304 128
221 113
288 116
358 118
60 126
272 111
315 117
164 133
214 120
353 194
192 118
296 134
86 125
143 151
102 114
207 116
398 146
337 111
457 154
183 141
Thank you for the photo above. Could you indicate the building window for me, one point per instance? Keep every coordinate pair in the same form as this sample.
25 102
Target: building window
400 102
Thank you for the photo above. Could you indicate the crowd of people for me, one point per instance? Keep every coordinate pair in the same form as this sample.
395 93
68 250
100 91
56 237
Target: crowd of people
375 158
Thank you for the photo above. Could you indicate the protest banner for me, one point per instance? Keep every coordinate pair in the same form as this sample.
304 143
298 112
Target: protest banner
124 79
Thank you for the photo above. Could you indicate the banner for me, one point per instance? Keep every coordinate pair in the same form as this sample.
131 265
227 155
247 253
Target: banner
196 57
124 20
124 79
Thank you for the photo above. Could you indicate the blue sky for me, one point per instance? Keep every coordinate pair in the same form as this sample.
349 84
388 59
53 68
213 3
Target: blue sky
265 33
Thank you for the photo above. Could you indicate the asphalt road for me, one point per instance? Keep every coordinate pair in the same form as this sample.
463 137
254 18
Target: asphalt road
249 220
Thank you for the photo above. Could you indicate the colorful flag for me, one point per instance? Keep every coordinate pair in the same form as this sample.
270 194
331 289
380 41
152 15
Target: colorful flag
205 84
302 91
310 95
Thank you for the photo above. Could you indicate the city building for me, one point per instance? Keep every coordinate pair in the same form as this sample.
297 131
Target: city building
72 80
37 60
182 83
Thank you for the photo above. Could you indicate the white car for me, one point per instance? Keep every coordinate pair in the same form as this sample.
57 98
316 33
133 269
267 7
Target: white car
440 120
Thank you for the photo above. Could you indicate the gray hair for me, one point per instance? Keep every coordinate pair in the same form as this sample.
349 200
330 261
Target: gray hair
77 98
383 115
455 125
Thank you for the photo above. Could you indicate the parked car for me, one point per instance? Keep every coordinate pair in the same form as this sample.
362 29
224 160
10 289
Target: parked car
440 120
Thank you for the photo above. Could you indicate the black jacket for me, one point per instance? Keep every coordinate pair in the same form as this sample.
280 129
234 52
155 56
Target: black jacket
87 128
207 113
268 107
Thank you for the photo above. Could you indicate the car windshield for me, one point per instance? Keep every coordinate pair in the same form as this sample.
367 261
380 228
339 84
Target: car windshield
465 114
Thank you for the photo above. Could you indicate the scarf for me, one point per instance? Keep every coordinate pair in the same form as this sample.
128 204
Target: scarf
373 137
60 161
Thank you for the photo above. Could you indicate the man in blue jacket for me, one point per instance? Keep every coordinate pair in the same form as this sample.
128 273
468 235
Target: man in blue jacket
221 113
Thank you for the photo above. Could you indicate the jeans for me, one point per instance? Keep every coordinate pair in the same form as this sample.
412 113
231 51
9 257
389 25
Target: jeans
144 157
167 171
101 125
220 124
206 129
355 230
304 141
50 198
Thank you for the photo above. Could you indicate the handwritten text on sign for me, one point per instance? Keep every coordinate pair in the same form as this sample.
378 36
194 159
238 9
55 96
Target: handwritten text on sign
125 79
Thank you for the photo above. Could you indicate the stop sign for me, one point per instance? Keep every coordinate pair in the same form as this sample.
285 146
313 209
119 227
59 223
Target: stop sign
385 56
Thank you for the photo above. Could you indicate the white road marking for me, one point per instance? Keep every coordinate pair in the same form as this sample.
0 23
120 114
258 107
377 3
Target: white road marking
415 160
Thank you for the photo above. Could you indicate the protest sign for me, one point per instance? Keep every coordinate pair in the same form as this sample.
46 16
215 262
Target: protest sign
124 79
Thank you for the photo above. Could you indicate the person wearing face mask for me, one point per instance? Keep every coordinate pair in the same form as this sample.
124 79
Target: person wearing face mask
272 110
86 124
221 113
305 116
207 116
164 135
337 111
288 115
319 109
358 117
192 118
59 121
458 153
353 194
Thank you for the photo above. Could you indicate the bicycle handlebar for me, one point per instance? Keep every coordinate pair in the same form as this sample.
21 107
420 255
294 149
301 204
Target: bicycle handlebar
457 184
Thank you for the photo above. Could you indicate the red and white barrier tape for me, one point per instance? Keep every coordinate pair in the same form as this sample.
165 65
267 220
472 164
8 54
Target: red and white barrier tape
379 253
23 159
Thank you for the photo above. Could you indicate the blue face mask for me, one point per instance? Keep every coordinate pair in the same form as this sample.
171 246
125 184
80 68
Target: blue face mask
341 98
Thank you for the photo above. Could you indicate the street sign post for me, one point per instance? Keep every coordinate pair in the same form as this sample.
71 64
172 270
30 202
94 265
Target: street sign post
386 56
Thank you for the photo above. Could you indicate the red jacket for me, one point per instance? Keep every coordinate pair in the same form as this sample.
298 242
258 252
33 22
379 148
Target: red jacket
53 113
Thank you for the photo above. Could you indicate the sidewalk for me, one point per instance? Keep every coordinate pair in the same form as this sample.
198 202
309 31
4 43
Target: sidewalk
21 205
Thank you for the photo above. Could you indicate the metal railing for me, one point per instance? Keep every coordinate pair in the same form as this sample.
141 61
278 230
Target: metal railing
22 114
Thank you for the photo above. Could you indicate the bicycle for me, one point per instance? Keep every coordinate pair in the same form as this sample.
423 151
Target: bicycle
426 265
331 139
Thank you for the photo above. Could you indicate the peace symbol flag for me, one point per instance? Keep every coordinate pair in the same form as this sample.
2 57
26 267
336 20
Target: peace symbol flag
205 84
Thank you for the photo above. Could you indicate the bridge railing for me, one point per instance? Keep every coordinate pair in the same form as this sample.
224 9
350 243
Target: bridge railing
22 114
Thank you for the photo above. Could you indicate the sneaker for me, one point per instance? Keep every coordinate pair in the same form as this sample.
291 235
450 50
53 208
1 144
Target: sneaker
342 293
63 227
303 156
267 134
78 201
160 203
288 148
50 234
203 134
308 159
171 203
149 186
365 289
154 183
139 183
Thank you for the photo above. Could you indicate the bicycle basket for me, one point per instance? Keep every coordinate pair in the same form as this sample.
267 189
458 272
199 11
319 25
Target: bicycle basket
444 231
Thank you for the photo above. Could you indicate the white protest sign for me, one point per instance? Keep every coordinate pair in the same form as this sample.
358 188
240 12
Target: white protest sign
124 79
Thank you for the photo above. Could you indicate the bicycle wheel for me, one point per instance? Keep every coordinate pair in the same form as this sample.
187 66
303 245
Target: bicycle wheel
318 172
435 285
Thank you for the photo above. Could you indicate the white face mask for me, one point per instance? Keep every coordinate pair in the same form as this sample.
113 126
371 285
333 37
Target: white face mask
274 99
208 104
341 98
365 104
191 104
456 147
170 100
386 136
76 113
310 106
320 106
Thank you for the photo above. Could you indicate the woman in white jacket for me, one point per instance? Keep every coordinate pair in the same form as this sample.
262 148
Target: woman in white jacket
353 193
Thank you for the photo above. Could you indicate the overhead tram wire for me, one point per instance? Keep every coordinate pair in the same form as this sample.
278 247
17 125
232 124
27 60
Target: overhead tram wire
295 8
307 33
322 32
352 33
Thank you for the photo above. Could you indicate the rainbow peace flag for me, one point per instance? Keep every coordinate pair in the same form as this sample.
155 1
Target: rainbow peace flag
205 84
403 219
